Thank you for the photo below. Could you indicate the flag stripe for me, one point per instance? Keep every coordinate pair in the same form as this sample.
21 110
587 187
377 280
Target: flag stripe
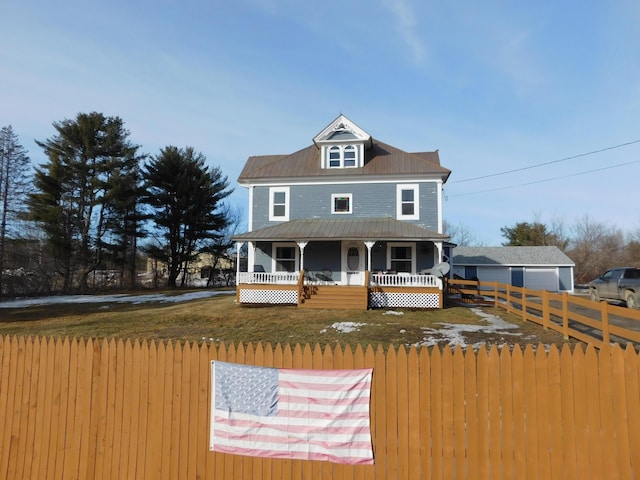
249 426
327 443
357 458
295 399
230 417
318 414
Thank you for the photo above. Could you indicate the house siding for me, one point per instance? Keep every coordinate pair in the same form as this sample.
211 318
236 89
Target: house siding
369 200
263 255
320 256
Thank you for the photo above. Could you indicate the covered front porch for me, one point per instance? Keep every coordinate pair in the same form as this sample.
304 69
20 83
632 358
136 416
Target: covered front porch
373 263
380 290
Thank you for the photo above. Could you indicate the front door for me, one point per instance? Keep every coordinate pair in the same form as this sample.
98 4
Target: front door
353 263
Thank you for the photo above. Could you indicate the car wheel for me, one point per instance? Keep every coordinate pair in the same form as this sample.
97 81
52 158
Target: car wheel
594 295
632 301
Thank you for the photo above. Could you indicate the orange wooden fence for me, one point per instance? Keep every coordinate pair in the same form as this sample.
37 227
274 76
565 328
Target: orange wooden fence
595 323
114 410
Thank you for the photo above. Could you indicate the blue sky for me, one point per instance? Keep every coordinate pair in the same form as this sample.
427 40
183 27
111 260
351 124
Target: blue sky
495 86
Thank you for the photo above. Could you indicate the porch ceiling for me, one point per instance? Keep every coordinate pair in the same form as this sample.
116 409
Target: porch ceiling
342 229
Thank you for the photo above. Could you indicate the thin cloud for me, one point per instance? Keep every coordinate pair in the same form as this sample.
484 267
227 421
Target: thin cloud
406 25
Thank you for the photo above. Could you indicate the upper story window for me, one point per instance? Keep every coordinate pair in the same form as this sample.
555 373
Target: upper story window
342 156
341 203
335 157
279 204
349 156
408 207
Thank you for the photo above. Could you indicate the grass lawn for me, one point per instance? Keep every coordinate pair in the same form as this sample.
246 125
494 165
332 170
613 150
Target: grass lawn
220 319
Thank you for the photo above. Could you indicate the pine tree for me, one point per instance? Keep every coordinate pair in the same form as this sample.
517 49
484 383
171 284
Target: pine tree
75 194
185 197
14 182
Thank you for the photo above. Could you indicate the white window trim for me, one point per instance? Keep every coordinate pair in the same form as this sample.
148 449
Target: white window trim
341 148
275 246
287 198
411 245
340 195
416 201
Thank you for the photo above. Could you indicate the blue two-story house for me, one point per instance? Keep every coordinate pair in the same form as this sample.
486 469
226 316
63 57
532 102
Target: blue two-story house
348 222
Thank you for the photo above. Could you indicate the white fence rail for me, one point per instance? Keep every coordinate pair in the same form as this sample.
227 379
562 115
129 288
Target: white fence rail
399 280
267 278
376 280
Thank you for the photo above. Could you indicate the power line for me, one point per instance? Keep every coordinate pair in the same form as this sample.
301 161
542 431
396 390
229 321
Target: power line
549 179
550 163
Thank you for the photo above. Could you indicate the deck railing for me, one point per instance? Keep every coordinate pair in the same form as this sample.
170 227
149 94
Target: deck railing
268 278
375 279
402 280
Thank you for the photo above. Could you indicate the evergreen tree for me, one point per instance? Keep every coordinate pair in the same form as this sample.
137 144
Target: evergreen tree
532 234
75 191
124 223
14 184
185 199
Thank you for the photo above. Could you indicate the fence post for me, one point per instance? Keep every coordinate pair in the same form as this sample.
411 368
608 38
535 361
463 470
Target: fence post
545 310
508 289
565 315
524 303
604 313
495 294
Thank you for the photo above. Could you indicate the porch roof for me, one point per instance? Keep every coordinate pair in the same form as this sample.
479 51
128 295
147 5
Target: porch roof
342 229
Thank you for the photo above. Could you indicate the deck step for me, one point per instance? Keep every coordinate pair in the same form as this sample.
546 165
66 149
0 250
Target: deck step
335 297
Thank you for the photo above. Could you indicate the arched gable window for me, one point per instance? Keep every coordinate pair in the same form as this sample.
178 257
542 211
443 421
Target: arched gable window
335 157
342 156
349 156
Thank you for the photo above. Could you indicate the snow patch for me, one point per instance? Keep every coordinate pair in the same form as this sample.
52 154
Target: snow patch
115 298
453 334
345 327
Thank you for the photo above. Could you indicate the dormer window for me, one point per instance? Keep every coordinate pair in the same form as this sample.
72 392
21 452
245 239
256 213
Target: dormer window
335 157
342 144
342 156
349 156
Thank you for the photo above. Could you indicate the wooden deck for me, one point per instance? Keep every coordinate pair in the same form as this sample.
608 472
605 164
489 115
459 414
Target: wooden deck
335 296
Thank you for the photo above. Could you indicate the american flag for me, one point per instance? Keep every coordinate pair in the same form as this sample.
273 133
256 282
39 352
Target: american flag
291 413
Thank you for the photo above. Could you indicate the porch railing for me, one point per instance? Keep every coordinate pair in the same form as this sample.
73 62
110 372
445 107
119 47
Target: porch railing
375 279
401 280
268 278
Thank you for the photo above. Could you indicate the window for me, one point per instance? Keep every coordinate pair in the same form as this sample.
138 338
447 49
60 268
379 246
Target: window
335 157
279 203
400 257
341 203
349 156
408 202
342 156
285 257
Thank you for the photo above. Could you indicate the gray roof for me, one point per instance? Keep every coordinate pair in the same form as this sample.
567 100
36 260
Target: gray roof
381 159
511 256
342 229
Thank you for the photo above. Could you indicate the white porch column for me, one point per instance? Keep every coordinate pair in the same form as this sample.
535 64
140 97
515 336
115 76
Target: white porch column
301 246
438 248
369 244
251 256
238 248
